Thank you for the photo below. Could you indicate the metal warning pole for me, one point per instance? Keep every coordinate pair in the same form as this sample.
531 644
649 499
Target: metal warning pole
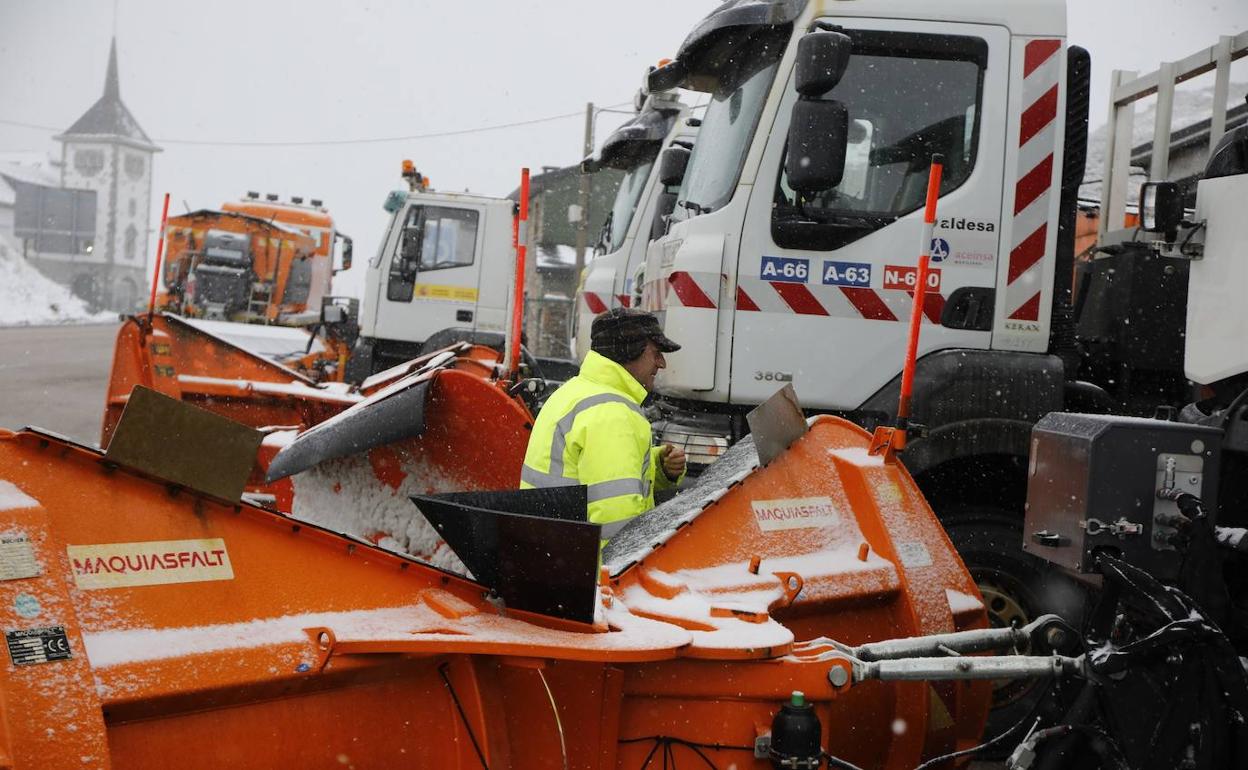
517 303
160 250
888 440
920 293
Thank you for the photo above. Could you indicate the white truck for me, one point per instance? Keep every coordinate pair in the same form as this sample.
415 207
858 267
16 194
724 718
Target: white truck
642 203
798 265
443 272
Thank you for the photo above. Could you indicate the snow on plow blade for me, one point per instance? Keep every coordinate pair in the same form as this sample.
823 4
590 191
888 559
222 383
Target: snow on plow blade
394 414
340 457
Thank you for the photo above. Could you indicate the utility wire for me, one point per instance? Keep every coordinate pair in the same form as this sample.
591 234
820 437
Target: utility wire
335 142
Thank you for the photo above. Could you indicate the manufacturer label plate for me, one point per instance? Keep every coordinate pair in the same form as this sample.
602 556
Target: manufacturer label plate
37 645
914 554
17 558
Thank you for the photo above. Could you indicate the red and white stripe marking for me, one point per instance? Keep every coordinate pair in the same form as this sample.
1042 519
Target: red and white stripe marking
693 289
700 290
597 302
1033 188
835 301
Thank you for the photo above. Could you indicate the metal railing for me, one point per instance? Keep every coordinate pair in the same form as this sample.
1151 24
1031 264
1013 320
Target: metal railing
1126 88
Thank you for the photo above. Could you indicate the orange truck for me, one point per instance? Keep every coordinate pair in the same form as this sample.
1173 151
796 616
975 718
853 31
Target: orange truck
258 261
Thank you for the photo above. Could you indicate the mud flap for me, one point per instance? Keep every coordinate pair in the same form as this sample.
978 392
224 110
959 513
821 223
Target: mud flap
533 547
395 413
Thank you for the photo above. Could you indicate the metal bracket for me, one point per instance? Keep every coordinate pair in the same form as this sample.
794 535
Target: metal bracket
324 640
1121 528
762 746
791 583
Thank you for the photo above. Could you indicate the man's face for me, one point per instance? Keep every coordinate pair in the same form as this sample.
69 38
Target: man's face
647 365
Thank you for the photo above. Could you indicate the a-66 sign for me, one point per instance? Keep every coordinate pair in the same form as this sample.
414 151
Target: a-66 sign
784 269
904 277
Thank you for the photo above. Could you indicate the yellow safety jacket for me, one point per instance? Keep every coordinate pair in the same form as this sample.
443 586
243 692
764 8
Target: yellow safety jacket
592 431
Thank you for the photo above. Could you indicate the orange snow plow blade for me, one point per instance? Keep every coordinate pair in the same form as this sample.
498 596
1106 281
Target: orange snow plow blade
172 356
439 423
151 625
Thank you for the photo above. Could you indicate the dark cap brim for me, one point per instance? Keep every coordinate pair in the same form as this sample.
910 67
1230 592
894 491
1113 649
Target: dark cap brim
664 344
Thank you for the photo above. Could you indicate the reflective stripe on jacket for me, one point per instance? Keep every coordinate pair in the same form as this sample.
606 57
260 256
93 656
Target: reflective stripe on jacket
592 431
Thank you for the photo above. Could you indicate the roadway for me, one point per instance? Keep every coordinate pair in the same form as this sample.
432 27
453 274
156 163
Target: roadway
55 377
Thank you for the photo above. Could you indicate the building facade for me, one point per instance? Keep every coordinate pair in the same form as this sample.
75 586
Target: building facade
107 153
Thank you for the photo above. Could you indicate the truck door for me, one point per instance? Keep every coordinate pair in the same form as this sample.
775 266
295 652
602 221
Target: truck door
825 284
431 282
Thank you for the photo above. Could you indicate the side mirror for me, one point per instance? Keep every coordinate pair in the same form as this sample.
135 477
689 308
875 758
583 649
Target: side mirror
1161 209
409 247
672 165
822 57
662 213
669 76
818 141
348 247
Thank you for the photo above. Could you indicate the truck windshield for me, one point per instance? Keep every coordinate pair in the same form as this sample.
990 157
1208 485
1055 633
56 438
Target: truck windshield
729 124
625 206
908 96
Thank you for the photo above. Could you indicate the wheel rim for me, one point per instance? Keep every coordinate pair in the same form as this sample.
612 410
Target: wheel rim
1008 605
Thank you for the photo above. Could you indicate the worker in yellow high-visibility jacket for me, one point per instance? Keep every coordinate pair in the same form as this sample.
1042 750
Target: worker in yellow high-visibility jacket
592 431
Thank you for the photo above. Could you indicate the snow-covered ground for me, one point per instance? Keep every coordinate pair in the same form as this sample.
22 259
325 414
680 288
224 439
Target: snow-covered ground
28 298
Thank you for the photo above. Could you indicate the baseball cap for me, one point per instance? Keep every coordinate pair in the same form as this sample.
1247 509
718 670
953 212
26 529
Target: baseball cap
626 329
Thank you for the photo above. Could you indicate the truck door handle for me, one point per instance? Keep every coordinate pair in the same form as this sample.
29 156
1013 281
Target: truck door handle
463 315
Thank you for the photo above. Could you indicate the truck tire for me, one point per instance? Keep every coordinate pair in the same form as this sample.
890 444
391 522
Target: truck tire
1017 588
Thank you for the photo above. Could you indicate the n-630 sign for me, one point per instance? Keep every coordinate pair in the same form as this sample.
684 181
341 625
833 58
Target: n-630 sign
904 277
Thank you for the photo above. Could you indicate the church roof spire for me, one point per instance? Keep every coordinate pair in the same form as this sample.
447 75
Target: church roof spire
108 117
112 86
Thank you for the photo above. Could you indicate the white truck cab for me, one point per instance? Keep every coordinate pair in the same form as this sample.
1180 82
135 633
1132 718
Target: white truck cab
761 287
639 210
446 262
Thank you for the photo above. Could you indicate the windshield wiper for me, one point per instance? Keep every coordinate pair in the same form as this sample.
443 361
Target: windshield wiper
696 208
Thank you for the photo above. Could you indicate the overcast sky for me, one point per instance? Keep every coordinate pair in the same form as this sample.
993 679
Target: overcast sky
311 71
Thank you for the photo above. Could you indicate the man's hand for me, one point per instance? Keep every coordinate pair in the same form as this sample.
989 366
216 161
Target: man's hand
673 459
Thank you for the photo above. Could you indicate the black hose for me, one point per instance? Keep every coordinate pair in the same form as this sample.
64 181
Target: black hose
666 742
993 742
838 762
1082 710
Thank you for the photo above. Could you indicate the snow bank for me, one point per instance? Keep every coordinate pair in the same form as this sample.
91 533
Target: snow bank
29 298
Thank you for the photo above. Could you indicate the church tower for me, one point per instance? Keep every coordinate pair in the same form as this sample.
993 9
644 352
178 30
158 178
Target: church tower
105 150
